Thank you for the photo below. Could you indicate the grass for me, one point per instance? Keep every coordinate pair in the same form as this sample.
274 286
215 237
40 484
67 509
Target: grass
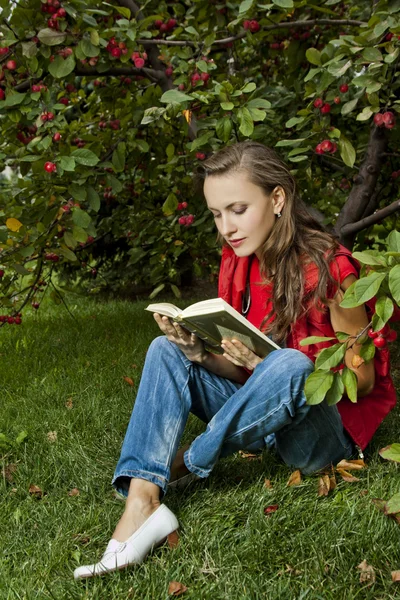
309 548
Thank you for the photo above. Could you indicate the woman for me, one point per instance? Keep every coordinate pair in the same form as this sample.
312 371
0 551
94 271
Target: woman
287 276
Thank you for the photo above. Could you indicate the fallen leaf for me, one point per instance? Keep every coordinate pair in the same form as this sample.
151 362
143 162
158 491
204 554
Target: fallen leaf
393 505
129 380
268 484
35 491
249 455
52 436
8 472
134 366
357 361
391 452
294 479
292 570
347 476
173 539
69 404
363 492
81 539
395 576
324 485
367 574
351 465
74 492
380 504
176 588
268 510
332 482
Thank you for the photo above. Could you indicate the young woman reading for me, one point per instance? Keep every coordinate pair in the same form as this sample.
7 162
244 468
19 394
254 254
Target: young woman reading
287 275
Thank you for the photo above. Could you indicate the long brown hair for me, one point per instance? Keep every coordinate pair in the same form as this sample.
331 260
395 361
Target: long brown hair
297 238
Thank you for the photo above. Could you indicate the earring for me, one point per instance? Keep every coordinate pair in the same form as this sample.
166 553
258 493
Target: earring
279 214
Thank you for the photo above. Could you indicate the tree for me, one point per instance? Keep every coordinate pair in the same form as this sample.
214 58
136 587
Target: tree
105 110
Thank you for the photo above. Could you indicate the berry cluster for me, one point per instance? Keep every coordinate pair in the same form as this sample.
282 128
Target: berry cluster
188 220
38 87
381 338
50 167
277 45
54 8
79 142
17 320
395 174
326 146
108 195
50 256
253 26
47 116
165 27
196 76
139 59
4 50
324 107
115 49
200 156
386 119
26 133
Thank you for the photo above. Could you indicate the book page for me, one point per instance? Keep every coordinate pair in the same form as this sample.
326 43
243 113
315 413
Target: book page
228 334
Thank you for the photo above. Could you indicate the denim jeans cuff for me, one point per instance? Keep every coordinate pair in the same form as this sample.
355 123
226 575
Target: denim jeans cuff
200 472
146 475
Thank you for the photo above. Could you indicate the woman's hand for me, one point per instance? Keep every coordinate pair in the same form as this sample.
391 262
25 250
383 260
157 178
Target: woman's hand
191 345
239 354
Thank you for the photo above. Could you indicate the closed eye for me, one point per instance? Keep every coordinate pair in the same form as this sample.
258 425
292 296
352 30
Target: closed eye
235 212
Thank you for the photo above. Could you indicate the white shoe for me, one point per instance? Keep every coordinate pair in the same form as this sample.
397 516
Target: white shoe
118 555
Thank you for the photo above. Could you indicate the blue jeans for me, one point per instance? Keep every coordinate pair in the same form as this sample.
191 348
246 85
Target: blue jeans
270 405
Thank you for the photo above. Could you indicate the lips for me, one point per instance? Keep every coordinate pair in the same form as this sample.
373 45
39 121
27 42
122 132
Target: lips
234 241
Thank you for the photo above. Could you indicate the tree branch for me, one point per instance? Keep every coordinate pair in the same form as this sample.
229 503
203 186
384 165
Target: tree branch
353 228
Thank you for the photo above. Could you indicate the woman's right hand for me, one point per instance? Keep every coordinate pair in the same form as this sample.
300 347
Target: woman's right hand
190 344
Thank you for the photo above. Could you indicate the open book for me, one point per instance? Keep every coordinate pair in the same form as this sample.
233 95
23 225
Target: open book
214 320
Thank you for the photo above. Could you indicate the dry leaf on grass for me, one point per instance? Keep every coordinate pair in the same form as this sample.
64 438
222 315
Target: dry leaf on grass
74 492
176 588
8 472
367 573
69 404
294 479
249 455
129 380
351 465
347 476
173 539
268 484
36 491
268 510
324 485
292 571
81 539
395 576
52 436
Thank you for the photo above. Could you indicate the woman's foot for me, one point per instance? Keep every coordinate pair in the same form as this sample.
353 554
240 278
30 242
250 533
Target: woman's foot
136 512
178 467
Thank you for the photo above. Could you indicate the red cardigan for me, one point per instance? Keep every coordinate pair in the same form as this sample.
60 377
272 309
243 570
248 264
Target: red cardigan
360 419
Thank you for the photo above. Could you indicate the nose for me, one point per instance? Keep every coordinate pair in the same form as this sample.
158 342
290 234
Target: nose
226 227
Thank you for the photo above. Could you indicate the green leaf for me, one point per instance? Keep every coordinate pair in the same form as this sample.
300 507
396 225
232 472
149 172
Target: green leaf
67 163
69 240
89 49
81 218
157 290
68 254
20 269
30 158
249 87
393 505
12 99
335 393
50 37
245 6
372 54
61 67
142 145
21 437
259 103
350 382
368 259
257 114
391 452
393 241
394 283
227 105
94 37
367 351
93 199
77 191
315 339
246 122
85 157
317 386
115 184
384 309
79 234
29 49
330 357
170 205
283 3
348 107
296 142
367 287
347 151
338 69
118 157
313 56
342 336
349 300
294 121
152 114
223 129
365 114
174 96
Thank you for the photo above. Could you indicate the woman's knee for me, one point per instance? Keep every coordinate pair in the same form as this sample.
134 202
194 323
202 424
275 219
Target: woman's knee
289 361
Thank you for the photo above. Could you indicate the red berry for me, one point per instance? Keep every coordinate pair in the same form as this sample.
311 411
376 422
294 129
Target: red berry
64 101
200 155
181 86
139 63
163 27
184 204
378 119
344 88
379 342
4 50
195 77
10 320
116 52
246 24
158 23
336 100
61 13
11 65
50 116
205 77
49 167
326 108
182 220
318 103
392 336
2 94
318 149
189 219
171 23
389 36
57 137
254 26
384 331
1 273
372 334
169 71
389 119
326 146
18 320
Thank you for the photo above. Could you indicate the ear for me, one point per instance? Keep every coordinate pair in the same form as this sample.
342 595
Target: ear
278 197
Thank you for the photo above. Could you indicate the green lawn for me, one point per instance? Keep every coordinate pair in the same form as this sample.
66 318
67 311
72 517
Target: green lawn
65 375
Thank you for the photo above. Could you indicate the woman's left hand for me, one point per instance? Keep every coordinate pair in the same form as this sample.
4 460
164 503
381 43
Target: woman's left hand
239 354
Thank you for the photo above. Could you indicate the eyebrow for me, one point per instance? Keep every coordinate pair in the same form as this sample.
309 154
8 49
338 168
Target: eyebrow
229 205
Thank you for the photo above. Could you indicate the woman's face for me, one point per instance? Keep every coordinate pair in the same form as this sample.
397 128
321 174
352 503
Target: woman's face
242 210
